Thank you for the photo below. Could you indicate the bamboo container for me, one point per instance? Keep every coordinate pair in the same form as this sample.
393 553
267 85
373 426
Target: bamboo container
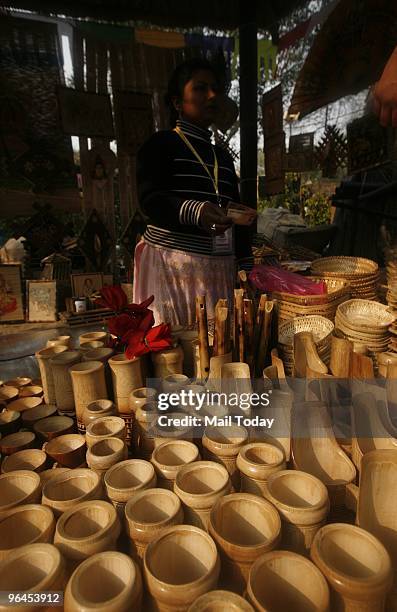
169 457
16 442
303 504
101 336
98 409
60 341
60 365
32 416
68 450
199 485
281 580
126 376
147 514
125 479
220 601
88 382
34 568
31 391
223 444
187 338
17 488
19 382
29 459
105 453
175 581
91 345
175 382
25 403
139 397
244 527
8 393
256 462
105 427
53 426
145 416
106 582
101 354
86 529
10 422
70 488
44 360
168 362
46 475
27 524
356 566
171 429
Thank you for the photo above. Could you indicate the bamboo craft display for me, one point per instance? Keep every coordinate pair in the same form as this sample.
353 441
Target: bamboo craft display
27 524
44 357
223 444
88 381
63 388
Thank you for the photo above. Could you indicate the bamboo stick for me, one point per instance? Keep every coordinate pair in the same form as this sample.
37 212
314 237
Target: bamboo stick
244 284
201 315
264 336
260 313
249 333
341 351
222 331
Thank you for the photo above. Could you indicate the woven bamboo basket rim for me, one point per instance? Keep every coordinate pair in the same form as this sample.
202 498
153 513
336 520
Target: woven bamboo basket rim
371 337
365 315
319 326
336 288
285 307
345 264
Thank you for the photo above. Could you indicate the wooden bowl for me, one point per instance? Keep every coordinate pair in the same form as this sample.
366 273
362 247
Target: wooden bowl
16 488
16 442
220 601
105 453
24 525
70 488
18 382
68 450
10 422
8 394
31 391
282 580
25 403
105 427
29 459
34 568
108 581
53 426
93 336
30 417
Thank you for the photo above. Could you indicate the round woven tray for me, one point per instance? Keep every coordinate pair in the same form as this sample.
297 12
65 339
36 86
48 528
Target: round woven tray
365 315
345 267
320 327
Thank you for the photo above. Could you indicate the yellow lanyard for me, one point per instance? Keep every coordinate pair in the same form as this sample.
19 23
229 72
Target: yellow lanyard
214 179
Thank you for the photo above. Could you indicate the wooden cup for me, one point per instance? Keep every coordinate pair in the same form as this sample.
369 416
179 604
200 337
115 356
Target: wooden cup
256 462
169 457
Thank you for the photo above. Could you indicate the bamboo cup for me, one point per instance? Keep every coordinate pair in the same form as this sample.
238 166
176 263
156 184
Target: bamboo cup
100 336
105 427
303 504
147 514
31 391
68 450
44 360
46 475
105 453
17 488
87 529
27 524
168 362
199 485
220 601
102 354
356 566
256 462
187 338
60 341
106 582
181 564
34 568
145 417
244 527
32 416
8 393
174 383
125 479
16 442
140 397
98 409
126 376
70 488
60 365
91 345
281 580
53 426
222 444
88 381
25 403
29 459
10 421
169 457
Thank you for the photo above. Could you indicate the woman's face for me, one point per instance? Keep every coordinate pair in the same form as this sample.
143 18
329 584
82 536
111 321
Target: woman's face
198 104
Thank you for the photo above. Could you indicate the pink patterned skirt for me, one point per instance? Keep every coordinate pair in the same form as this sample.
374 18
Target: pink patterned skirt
175 278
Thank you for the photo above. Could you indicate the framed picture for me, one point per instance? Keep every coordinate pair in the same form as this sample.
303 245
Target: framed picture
85 284
42 300
11 305
85 114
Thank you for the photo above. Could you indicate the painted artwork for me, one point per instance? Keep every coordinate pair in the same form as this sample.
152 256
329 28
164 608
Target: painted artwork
42 300
85 284
11 306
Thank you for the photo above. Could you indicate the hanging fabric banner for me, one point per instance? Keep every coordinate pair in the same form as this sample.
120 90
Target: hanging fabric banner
267 59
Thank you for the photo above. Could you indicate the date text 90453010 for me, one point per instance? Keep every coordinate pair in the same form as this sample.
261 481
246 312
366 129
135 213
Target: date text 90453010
28 598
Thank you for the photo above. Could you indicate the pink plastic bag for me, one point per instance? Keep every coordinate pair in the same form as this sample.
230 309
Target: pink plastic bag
272 278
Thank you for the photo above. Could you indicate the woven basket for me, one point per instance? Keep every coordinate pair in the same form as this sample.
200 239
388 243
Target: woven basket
320 327
366 315
345 267
336 289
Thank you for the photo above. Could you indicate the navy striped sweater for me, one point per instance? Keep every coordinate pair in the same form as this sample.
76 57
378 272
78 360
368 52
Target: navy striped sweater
173 185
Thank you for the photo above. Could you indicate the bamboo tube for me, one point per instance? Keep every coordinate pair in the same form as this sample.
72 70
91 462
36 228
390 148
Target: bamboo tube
264 336
147 514
202 323
249 333
106 582
222 331
17 488
103 355
70 488
256 462
244 284
244 527
125 479
105 453
306 355
27 524
44 360
187 339
238 329
220 601
356 566
88 381
145 416
169 457
194 569
63 389
260 314
98 409
126 376
93 336
222 444
341 352
105 427
168 362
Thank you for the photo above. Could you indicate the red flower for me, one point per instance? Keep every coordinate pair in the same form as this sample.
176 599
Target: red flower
152 340
112 297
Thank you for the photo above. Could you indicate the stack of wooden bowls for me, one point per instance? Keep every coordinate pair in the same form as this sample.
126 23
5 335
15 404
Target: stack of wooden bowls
361 274
321 329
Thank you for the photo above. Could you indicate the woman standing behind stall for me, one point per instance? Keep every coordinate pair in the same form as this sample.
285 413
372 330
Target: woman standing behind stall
184 185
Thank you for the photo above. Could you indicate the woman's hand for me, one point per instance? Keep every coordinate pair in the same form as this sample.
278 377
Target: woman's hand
385 93
213 219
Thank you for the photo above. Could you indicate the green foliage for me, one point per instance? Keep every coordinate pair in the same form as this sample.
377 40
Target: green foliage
317 209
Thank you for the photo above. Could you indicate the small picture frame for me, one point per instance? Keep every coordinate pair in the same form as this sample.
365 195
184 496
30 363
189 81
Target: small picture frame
11 304
41 300
86 284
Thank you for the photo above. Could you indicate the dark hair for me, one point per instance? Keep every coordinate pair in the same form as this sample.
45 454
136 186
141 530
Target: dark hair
182 75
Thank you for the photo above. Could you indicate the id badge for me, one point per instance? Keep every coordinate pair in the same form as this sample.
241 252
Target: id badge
223 244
